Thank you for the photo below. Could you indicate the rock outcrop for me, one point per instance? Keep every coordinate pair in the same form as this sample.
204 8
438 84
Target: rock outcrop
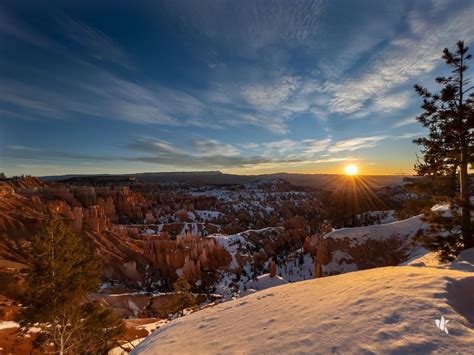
351 249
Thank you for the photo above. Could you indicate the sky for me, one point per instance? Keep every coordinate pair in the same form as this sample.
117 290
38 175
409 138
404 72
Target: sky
244 87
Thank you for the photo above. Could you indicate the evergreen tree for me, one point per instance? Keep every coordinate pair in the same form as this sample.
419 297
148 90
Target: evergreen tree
447 153
183 298
100 329
62 270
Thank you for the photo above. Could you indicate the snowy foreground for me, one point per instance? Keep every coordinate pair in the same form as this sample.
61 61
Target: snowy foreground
390 310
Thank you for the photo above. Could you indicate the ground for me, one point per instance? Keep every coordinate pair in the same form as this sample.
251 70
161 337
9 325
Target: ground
390 310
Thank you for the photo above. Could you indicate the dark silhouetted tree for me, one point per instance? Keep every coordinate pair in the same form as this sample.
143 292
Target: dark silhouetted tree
447 152
62 270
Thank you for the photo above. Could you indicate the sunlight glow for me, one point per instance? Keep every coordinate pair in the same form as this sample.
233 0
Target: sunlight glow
351 170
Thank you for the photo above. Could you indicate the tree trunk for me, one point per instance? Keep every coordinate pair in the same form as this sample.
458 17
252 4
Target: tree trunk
465 183
61 346
465 201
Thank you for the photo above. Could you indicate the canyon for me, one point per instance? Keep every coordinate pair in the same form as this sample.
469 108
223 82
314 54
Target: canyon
227 240
148 234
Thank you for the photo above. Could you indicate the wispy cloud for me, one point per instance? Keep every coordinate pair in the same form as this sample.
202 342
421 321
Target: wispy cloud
267 121
317 145
356 143
209 153
149 144
12 27
212 147
36 154
307 149
250 145
410 135
393 102
280 147
267 97
95 42
405 121
22 148
100 94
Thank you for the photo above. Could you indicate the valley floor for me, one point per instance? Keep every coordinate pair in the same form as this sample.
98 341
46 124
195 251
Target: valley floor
390 310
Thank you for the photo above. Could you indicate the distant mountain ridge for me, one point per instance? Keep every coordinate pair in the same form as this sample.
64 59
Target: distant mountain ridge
164 173
326 181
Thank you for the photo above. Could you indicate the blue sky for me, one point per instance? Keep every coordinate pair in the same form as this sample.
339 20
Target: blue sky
238 86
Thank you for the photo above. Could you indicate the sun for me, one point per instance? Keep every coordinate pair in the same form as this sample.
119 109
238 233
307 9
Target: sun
351 169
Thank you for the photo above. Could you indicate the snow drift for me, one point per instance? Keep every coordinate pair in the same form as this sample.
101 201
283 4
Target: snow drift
389 310
265 281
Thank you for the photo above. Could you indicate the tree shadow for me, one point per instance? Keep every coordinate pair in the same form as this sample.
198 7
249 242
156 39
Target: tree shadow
419 348
461 298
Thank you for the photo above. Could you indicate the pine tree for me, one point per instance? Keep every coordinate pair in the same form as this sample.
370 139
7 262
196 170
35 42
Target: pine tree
62 270
447 153
182 298
100 329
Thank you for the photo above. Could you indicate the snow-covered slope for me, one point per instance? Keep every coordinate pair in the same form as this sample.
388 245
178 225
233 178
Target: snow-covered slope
385 310
265 281
350 249
358 235
403 228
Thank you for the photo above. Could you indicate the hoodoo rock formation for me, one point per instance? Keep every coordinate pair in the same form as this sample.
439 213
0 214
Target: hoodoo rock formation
187 256
110 220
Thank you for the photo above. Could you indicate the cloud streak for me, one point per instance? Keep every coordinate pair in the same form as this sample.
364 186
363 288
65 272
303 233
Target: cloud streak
97 43
404 122
356 144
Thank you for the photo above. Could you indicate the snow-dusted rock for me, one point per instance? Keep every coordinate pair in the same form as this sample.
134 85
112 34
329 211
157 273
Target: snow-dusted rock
350 249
